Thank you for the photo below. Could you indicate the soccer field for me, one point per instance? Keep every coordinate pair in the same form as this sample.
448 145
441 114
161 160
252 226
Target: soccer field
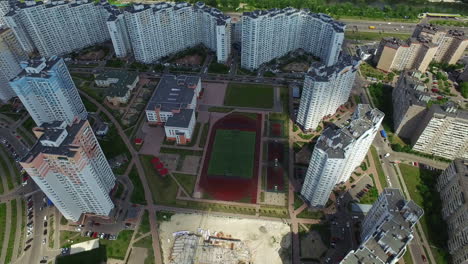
233 154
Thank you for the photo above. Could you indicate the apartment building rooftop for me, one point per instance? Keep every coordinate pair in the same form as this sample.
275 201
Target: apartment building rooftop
161 6
173 92
38 67
288 11
392 235
322 73
334 140
55 138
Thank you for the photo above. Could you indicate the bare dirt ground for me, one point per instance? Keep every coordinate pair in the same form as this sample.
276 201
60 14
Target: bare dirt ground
191 165
275 198
190 60
263 238
138 255
92 55
296 67
213 94
312 246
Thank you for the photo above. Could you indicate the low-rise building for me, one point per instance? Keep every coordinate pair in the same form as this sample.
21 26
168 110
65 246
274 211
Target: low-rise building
173 105
120 85
452 185
386 230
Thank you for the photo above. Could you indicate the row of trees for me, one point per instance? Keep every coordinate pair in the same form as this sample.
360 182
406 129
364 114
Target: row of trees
401 9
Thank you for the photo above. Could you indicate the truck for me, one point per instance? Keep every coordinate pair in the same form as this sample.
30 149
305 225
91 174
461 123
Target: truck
383 133
371 27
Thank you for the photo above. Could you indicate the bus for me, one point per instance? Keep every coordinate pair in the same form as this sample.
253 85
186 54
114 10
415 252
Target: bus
439 15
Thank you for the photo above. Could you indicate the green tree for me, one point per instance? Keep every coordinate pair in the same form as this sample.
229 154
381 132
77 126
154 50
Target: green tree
464 89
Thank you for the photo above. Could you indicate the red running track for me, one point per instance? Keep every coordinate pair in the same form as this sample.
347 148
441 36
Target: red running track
232 188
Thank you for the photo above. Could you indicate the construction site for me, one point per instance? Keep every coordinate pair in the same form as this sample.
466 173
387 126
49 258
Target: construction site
207 239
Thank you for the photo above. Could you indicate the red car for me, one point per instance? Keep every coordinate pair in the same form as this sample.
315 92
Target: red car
424 258
95 234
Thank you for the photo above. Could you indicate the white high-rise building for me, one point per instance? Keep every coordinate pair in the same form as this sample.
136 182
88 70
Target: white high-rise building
4 8
118 32
269 34
58 27
69 166
48 92
162 29
11 55
338 152
386 230
325 89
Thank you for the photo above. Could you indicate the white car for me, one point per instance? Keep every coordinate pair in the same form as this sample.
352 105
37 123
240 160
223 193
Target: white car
387 155
43 241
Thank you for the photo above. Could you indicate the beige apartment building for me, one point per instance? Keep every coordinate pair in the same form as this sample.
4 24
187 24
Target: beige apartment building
452 185
396 54
428 43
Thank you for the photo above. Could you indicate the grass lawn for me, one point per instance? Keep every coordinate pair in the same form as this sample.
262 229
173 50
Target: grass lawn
204 135
233 153
146 242
249 95
119 191
2 222
144 224
218 68
216 207
370 197
23 226
118 248
374 35
11 240
378 167
72 236
113 145
6 171
163 189
51 232
186 180
421 187
138 194
407 257
271 211
311 215
90 107
297 201
220 109
98 255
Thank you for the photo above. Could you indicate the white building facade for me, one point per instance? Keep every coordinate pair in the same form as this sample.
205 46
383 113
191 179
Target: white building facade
69 166
11 56
386 230
162 29
269 34
325 90
58 27
48 92
338 152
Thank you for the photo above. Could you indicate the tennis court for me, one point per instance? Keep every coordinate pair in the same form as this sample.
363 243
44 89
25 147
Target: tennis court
233 154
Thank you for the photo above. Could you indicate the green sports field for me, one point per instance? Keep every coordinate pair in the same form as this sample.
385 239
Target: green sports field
233 154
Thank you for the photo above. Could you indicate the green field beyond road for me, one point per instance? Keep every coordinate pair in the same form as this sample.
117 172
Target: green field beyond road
233 154
249 95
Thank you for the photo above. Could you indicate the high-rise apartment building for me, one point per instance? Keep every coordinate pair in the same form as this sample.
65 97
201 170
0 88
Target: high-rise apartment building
4 8
443 132
409 98
269 34
338 152
161 29
325 89
58 27
427 43
69 166
451 43
48 92
386 230
452 185
11 55
414 53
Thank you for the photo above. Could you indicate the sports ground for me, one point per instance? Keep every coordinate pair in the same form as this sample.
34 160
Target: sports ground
233 154
230 167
